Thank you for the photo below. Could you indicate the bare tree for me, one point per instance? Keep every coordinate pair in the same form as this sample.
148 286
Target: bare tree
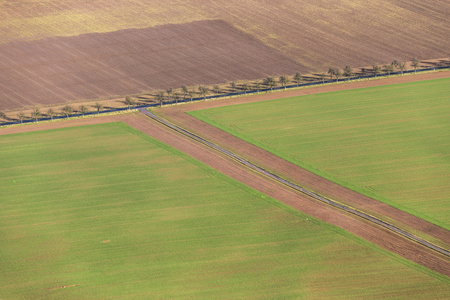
233 86
177 97
284 80
401 66
185 91
169 92
388 69
83 109
35 114
99 107
129 102
298 78
331 71
160 98
191 94
376 69
258 86
270 82
337 73
2 115
415 63
348 71
67 110
51 113
21 116
245 87
203 91
216 89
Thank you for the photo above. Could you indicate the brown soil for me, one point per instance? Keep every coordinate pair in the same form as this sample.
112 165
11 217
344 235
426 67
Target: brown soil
316 34
132 61
368 231
100 55
150 98
62 287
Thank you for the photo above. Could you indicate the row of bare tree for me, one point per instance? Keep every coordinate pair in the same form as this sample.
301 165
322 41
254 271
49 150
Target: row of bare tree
184 93
376 69
171 95
67 111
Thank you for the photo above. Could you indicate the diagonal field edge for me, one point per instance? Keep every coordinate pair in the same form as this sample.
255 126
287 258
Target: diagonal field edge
297 187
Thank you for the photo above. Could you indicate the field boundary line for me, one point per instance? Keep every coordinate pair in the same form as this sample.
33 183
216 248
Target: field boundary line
234 94
296 187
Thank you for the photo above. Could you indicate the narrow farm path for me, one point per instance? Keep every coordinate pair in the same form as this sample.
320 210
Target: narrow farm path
362 228
295 186
268 161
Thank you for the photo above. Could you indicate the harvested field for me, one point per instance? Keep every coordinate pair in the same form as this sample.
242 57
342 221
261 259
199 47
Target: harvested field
98 218
131 61
315 35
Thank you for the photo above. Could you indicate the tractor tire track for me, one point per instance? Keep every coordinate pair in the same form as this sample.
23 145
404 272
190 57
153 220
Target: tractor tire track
369 231
316 196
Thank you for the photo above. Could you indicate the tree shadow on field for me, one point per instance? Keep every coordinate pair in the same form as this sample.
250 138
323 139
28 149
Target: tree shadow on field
8 119
315 77
364 72
439 63
146 96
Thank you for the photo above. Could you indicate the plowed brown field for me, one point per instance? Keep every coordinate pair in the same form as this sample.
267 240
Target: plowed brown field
130 61
315 33
309 36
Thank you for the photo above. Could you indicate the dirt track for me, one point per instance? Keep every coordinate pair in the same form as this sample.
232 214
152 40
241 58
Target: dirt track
297 174
364 229
379 236
292 172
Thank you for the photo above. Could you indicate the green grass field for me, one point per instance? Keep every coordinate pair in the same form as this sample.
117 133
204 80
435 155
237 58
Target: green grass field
390 142
109 212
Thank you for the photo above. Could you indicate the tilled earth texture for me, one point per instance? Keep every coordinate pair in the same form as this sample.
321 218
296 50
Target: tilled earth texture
58 51
91 66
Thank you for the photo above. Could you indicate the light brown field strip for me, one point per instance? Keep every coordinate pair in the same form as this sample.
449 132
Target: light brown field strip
399 245
297 187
